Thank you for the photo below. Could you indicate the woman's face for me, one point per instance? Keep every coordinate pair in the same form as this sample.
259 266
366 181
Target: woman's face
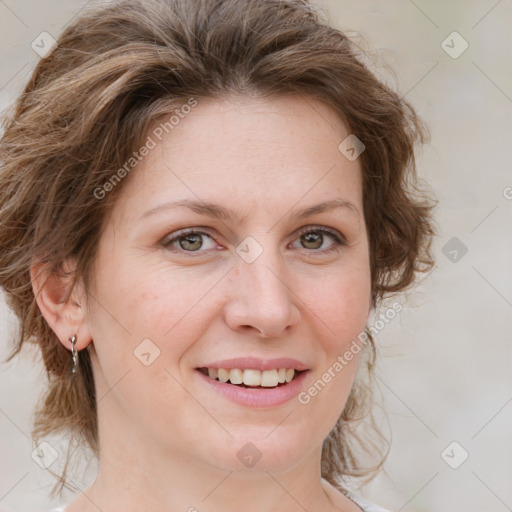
262 283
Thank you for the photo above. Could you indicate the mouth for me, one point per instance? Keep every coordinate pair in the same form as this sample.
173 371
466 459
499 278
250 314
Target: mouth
252 378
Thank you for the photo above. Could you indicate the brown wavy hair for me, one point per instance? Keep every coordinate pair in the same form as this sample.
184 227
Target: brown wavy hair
88 106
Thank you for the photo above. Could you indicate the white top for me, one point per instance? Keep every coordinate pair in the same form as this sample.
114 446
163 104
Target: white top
366 506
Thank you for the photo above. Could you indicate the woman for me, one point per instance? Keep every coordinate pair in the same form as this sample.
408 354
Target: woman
201 204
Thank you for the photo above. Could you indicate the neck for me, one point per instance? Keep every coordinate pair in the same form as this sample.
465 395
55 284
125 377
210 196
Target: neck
134 476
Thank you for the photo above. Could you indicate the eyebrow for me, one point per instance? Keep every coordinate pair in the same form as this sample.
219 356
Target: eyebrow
219 212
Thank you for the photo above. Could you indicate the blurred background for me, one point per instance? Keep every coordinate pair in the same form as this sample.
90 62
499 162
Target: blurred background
446 360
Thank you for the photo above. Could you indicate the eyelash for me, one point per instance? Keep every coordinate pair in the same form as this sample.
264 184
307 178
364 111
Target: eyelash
339 240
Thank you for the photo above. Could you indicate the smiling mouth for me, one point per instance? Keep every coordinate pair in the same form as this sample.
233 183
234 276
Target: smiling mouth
250 378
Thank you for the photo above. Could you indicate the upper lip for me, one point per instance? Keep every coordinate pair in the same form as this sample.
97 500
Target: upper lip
254 363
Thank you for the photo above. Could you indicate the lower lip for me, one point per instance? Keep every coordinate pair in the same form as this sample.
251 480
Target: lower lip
257 397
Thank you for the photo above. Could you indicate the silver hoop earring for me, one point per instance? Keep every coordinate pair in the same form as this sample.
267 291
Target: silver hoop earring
74 353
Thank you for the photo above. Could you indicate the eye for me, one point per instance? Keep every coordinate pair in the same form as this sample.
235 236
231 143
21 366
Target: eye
190 241
314 239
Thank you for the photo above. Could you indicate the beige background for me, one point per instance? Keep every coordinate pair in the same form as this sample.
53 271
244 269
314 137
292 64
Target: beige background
446 361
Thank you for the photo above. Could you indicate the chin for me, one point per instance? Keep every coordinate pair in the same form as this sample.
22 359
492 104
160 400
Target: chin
260 451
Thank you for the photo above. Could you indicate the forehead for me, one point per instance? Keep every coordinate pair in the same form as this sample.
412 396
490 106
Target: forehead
248 153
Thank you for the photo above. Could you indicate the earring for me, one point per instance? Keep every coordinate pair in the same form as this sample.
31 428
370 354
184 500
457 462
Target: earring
74 353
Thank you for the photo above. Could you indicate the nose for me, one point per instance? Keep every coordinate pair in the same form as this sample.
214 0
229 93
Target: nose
261 300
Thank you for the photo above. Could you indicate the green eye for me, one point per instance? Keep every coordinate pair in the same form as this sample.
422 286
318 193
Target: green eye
189 241
314 239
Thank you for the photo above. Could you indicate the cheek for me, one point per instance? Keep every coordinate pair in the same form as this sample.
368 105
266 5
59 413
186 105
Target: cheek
342 302
341 306
139 301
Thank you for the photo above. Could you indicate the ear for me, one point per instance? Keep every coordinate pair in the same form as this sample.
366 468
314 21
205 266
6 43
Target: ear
63 308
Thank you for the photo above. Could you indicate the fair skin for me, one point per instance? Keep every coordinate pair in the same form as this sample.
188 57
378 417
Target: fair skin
168 439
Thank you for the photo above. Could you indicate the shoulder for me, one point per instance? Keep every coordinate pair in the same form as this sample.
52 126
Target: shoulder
366 506
339 496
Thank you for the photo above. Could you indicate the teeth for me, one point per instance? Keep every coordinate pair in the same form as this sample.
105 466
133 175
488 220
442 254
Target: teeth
236 376
223 375
250 377
269 379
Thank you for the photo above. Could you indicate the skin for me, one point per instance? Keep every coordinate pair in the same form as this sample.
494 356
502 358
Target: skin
169 442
